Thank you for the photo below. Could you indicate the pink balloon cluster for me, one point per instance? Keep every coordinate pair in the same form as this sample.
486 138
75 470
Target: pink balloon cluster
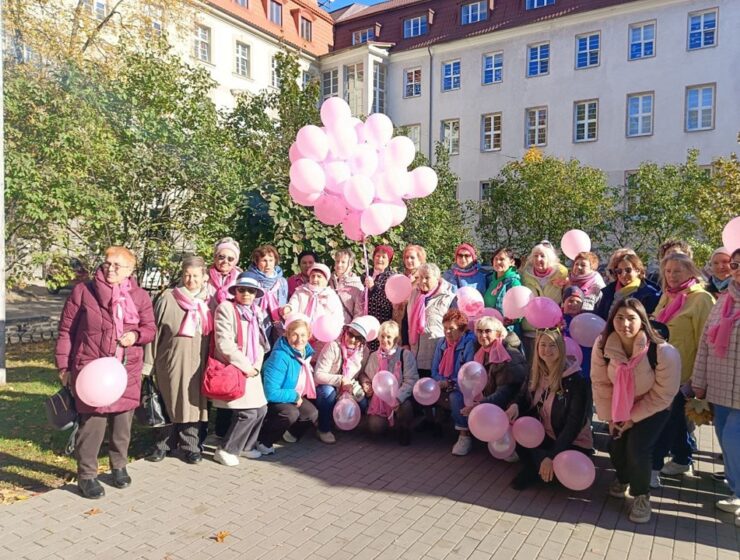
355 174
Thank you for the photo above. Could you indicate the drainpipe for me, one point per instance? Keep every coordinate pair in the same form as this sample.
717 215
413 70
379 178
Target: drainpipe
431 93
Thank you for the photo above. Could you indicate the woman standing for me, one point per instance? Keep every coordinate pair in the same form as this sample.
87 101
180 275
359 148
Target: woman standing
635 375
560 398
378 304
266 270
505 276
306 259
629 273
684 309
720 273
224 271
177 356
109 316
585 275
466 270
716 377
413 257
347 284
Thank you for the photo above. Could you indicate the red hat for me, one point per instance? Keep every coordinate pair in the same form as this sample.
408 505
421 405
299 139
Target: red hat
468 247
384 249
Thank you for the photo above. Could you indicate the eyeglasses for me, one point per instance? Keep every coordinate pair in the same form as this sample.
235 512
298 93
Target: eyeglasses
226 258
484 331
464 256
246 290
354 335
620 271
115 267
734 265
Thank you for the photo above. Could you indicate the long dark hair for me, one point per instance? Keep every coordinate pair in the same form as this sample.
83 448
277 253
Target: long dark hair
636 306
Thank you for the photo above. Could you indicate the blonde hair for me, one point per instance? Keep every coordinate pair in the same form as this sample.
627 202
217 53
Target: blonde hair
421 251
429 268
493 324
687 264
118 251
391 328
539 367
295 325
548 251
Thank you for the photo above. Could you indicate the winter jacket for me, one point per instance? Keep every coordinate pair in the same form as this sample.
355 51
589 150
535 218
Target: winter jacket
328 302
497 288
552 289
87 332
507 379
464 353
648 294
280 372
328 370
436 307
267 282
351 293
654 389
475 275
409 372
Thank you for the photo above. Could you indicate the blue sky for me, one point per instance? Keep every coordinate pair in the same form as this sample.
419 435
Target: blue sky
331 6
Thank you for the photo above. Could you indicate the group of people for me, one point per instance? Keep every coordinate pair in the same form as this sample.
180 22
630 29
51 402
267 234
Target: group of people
664 342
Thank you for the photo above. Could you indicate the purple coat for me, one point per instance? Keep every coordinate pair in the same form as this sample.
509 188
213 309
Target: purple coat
87 332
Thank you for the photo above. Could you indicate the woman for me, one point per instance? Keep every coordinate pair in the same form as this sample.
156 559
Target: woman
306 259
401 363
720 274
684 309
337 367
264 268
558 397
466 270
223 272
241 340
455 349
108 316
505 276
716 377
347 284
635 375
413 257
585 275
629 273
545 276
288 384
378 304
177 356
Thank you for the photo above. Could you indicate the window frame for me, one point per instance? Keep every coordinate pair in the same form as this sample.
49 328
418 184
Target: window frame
586 122
493 56
482 12
452 63
443 138
537 4
538 46
380 94
198 43
305 28
417 127
333 83
423 26
369 34
482 188
407 83
702 31
275 5
238 58
274 78
641 25
700 87
640 115
587 36
494 133
536 126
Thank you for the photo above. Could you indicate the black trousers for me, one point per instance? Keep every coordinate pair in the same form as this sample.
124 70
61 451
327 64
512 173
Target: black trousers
283 416
532 458
184 435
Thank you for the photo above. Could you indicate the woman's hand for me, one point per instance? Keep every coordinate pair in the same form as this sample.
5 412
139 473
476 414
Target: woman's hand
625 426
345 387
699 393
443 385
546 470
253 372
128 339
285 311
369 283
513 412
64 377
299 402
466 410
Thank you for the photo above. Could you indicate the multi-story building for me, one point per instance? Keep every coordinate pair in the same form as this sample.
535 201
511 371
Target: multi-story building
609 82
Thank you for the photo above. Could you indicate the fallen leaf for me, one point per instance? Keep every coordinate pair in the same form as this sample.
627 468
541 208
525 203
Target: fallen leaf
93 511
220 536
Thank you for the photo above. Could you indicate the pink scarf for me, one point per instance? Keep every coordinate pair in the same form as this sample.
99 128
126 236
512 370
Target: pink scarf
418 317
221 283
251 315
269 302
623 395
677 297
447 363
378 407
544 274
313 299
718 335
123 309
197 314
585 282
351 360
306 386
497 354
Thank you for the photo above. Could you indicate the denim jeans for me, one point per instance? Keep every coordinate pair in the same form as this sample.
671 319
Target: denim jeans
326 398
456 404
674 438
727 426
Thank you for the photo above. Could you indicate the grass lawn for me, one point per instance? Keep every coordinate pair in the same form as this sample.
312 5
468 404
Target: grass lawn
32 458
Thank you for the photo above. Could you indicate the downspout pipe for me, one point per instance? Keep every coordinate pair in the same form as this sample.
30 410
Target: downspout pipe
431 94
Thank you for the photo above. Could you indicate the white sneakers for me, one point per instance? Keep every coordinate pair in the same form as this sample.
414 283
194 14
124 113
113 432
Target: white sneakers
462 446
655 481
672 468
641 509
263 449
289 438
326 437
251 454
226 459
730 504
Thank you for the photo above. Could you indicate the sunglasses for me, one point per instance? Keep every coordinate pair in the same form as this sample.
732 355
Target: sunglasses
354 335
246 290
464 256
226 258
734 265
620 271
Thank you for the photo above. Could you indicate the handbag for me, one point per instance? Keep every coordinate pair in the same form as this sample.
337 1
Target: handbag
151 410
223 382
60 409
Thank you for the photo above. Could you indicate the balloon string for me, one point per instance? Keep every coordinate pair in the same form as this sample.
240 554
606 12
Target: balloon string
367 272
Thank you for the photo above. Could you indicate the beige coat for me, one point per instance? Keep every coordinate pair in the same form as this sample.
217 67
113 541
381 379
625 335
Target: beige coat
436 308
177 362
350 290
409 373
328 370
228 352
654 389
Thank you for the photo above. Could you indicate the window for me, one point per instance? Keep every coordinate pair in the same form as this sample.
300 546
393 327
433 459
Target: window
493 68
700 107
202 43
586 117
363 36
413 131
242 3
354 80
451 75
306 29
538 60
642 40
532 4
330 83
413 27
379 71
536 127
451 136
490 129
412 82
474 12
242 59
640 114
276 12
587 50
97 8
306 78
702 29
485 190
274 76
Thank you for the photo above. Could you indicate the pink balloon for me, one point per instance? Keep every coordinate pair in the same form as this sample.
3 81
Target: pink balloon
312 142
528 431
585 328
346 413
574 470
101 382
486 312
543 313
378 129
376 219
469 301
503 448
336 172
327 327
342 140
296 316
515 301
423 182
363 161
330 209
294 154
385 387
398 288
399 211
360 131
573 349
575 241
400 152
488 422
359 192
392 184
307 176
302 198
335 111
351 227
426 391
472 379
731 234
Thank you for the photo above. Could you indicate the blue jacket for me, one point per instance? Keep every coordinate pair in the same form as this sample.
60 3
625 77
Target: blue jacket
464 353
648 293
479 280
280 372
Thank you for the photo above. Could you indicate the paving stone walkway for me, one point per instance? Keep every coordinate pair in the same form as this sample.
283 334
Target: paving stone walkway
361 499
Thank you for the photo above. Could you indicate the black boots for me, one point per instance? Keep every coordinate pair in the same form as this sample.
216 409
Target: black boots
91 488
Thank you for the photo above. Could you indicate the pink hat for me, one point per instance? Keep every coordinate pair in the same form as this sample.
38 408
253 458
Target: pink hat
227 243
321 268
469 248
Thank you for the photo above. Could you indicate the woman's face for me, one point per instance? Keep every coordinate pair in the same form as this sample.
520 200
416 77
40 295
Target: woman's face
225 261
720 266
245 295
317 278
502 262
411 260
582 267
193 278
341 265
380 261
116 269
675 274
486 336
736 272
352 339
266 263
627 323
464 258
427 281
539 260
306 263
573 305
626 273
452 332
547 350
298 338
387 341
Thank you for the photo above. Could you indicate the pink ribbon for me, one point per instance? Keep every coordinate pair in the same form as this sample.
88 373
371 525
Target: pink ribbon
718 335
196 312
677 297
352 358
306 385
623 396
